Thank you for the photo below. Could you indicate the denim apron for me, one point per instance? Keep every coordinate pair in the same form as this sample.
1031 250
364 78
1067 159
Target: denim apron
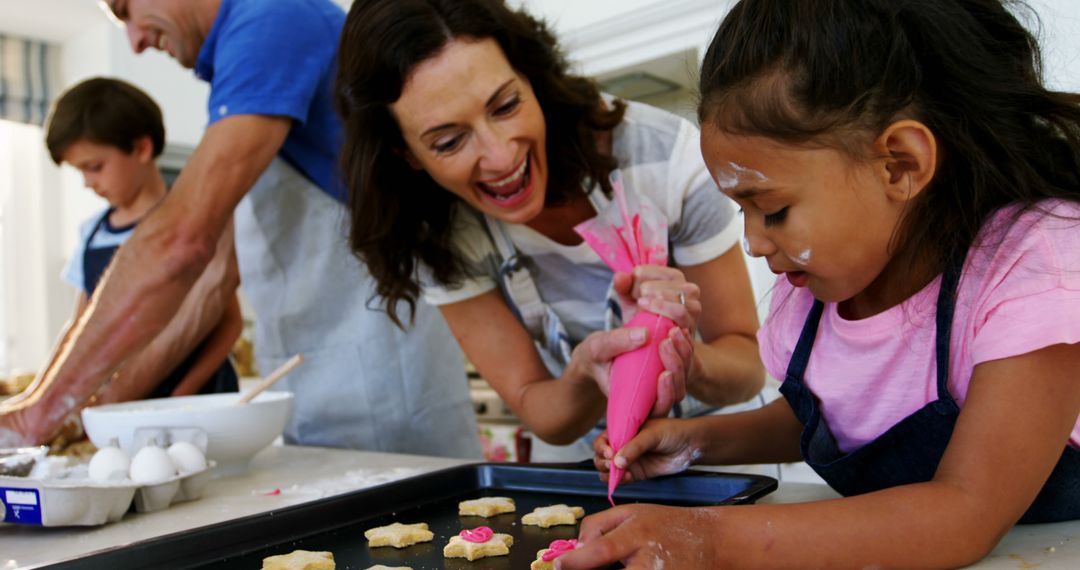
95 261
365 383
910 451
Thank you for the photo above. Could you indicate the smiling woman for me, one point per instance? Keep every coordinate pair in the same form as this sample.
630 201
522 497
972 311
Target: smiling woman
472 153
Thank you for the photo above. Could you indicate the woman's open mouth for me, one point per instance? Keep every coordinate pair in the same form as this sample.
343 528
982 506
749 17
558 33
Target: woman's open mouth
512 189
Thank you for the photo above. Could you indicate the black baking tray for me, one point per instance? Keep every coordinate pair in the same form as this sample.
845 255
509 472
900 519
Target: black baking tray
337 523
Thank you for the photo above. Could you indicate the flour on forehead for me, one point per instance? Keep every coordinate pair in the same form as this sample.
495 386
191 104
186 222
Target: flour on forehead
729 176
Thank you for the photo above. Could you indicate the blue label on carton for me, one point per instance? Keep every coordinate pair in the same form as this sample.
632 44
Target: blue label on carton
21 506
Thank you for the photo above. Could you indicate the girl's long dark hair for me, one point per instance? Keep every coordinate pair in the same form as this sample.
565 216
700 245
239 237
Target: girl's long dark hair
400 216
831 71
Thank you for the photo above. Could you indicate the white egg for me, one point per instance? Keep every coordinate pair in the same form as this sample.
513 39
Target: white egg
151 465
109 464
186 457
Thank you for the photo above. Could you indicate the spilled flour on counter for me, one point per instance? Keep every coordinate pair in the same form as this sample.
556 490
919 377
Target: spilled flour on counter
347 482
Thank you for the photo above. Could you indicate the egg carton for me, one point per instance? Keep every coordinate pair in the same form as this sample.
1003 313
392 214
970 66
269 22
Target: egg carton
82 502
177 489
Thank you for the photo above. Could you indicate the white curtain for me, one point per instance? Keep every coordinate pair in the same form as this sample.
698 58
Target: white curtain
29 79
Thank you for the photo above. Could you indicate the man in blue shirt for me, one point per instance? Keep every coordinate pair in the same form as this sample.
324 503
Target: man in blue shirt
269 156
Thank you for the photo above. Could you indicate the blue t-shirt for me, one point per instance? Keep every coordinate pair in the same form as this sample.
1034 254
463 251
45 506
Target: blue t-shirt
279 58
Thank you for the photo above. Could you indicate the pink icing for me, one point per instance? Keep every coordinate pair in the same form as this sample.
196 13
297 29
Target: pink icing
478 534
557 549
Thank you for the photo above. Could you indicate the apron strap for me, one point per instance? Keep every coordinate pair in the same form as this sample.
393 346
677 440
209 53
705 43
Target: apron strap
946 304
524 298
521 293
95 261
801 357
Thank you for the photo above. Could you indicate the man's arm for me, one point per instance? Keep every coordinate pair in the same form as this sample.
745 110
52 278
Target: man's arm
153 272
215 351
209 304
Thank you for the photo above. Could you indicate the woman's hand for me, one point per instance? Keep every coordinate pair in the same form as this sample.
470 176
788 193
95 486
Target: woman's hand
662 447
666 292
645 537
657 289
591 361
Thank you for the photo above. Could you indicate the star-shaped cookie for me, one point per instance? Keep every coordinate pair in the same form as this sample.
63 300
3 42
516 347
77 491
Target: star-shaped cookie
300 560
553 515
545 557
487 506
398 535
498 545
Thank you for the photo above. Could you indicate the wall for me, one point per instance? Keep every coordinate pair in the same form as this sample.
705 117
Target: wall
1059 36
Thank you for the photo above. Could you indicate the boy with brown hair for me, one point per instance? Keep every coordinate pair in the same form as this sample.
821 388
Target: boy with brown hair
112 132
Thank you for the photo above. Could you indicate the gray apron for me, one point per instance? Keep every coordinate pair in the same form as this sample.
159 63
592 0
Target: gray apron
365 383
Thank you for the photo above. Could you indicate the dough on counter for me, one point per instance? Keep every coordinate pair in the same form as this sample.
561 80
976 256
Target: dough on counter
399 535
300 560
498 545
553 515
487 506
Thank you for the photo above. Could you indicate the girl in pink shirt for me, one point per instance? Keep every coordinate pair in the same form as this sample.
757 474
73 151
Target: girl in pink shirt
917 190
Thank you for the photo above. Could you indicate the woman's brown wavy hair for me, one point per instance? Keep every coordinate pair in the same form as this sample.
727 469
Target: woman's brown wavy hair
399 216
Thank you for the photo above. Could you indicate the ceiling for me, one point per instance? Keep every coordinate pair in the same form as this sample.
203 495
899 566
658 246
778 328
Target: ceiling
50 20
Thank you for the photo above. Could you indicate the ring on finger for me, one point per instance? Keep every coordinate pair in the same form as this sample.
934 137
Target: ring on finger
682 298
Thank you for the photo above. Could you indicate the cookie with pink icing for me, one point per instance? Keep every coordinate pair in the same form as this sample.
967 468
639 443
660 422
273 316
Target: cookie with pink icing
476 543
545 558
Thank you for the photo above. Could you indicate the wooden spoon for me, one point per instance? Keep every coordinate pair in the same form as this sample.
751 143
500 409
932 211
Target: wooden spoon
272 378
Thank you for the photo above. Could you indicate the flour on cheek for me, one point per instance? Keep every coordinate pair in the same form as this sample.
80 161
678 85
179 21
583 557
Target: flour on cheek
803 259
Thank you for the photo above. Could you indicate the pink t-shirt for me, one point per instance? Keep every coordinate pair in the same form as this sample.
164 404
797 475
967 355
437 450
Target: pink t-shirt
1019 292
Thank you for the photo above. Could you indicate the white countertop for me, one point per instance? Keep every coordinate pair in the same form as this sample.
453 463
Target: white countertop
304 474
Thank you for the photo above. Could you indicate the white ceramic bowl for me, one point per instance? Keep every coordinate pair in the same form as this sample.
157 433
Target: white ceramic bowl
234 433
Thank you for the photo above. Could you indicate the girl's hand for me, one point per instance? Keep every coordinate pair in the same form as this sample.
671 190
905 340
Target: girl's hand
662 447
592 360
645 537
665 291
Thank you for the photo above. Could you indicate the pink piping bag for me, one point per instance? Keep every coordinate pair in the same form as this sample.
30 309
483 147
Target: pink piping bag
628 233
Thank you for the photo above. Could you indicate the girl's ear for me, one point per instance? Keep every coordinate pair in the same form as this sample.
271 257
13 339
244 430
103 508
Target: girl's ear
910 151
144 149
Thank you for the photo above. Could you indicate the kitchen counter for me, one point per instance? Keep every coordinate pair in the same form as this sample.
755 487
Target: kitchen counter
289 475
280 476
